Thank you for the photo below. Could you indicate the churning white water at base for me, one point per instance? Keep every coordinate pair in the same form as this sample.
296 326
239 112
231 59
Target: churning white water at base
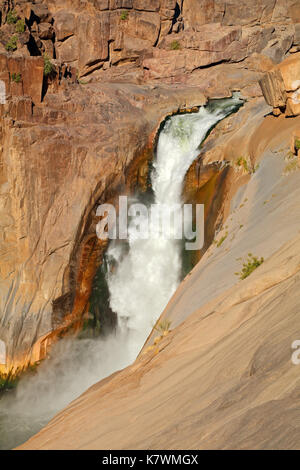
143 279
148 274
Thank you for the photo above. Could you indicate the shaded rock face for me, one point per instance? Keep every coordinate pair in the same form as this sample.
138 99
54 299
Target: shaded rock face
281 87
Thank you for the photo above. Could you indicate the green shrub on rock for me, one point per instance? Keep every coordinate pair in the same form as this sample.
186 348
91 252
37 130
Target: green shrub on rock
12 17
175 46
48 66
249 266
16 77
124 15
11 45
20 26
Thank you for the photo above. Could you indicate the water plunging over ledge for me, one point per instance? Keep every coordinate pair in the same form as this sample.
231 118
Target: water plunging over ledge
145 276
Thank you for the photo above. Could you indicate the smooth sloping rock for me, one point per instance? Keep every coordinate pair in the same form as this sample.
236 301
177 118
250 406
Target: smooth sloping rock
226 365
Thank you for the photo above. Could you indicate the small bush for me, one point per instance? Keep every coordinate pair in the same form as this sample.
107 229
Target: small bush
20 26
48 66
16 77
11 45
124 15
222 240
12 17
242 162
175 46
297 144
163 326
249 266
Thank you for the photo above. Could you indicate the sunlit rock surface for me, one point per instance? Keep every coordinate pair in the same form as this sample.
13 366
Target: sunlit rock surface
82 134
222 377
281 86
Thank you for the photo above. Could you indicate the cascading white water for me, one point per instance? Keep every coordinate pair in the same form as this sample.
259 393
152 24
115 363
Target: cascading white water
144 279
147 276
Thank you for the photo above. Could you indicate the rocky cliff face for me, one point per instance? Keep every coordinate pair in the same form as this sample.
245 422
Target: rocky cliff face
73 133
145 39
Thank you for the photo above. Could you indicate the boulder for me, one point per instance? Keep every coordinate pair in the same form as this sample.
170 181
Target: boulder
101 4
199 12
93 36
294 10
296 41
116 4
143 25
146 5
64 24
273 89
243 12
45 31
67 51
290 71
40 12
281 86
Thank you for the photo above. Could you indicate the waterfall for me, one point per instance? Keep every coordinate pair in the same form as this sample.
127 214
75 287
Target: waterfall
144 278
148 274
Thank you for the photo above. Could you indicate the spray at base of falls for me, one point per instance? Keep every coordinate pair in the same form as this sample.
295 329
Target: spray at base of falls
145 277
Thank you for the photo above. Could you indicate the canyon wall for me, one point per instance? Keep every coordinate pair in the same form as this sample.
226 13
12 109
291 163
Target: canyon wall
220 374
82 131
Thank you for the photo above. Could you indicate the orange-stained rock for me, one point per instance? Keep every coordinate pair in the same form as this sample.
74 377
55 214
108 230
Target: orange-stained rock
31 70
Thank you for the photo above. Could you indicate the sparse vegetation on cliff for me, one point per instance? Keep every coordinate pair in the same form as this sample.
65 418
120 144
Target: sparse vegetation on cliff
249 266
124 15
48 66
222 240
20 26
16 77
175 46
11 45
12 17
244 163
163 326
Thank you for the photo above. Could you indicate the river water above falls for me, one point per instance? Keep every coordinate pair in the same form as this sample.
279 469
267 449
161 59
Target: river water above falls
144 278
